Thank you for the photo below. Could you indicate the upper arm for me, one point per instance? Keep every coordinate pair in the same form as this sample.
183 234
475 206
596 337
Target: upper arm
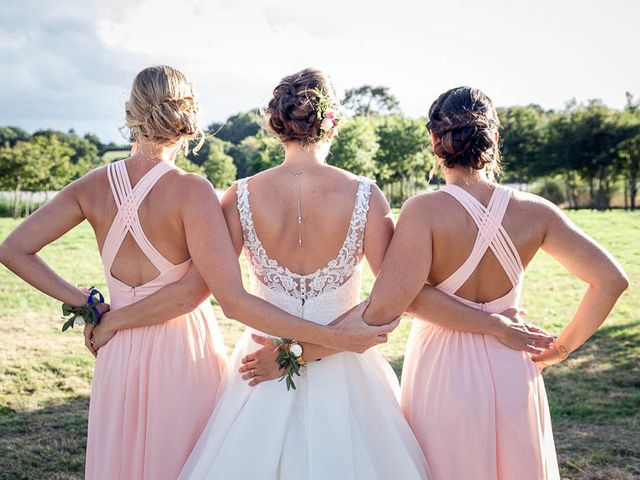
50 221
580 254
379 229
406 265
208 240
229 205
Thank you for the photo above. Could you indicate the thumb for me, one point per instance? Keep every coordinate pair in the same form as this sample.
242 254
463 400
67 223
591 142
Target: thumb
261 339
359 310
389 327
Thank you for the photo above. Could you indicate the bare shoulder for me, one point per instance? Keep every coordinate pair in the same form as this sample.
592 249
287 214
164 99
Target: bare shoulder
193 189
378 204
535 207
229 199
419 212
425 204
92 183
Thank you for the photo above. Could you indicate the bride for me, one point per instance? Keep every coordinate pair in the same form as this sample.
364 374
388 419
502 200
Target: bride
343 419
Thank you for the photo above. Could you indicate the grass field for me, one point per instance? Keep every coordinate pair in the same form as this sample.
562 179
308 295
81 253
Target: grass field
595 396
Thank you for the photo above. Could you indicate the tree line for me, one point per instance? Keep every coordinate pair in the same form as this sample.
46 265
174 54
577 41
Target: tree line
578 156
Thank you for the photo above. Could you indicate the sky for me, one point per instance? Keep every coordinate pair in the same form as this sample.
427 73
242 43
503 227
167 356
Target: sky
70 64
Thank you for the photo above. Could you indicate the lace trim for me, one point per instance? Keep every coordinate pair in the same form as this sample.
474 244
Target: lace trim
302 287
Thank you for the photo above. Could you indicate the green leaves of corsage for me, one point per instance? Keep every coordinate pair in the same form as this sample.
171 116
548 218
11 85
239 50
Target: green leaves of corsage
87 313
287 362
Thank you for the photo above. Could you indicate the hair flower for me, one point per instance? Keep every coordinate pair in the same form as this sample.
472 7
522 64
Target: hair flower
327 124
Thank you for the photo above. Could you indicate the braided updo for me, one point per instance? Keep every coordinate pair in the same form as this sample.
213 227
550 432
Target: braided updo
162 108
464 123
292 112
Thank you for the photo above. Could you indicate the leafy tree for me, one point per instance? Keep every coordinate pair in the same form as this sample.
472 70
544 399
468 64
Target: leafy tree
403 149
12 135
43 163
583 140
244 155
367 100
218 166
237 127
523 137
270 152
629 150
85 155
356 147
188 166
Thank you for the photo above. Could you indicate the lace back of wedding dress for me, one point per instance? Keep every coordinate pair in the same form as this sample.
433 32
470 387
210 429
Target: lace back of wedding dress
336 273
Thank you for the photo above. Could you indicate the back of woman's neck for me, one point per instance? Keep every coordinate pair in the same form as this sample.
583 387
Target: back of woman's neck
466 178
298 158
149 153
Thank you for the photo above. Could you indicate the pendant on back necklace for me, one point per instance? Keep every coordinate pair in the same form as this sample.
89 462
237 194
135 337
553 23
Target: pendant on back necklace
297 174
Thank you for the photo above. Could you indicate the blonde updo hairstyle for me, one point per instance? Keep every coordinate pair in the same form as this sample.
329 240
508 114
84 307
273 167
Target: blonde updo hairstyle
292 112
163 109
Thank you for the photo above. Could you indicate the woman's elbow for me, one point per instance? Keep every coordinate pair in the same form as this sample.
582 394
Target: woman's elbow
230 305
616 282
620 283
7 252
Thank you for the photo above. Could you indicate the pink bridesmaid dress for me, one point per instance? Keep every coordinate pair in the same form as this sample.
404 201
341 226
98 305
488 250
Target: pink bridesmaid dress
478 408
154 387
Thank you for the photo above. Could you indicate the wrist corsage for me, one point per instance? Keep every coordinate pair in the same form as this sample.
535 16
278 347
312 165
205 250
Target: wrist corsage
87 313
289 360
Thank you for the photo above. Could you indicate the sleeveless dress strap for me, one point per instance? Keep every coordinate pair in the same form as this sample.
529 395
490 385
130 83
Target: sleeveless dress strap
128 200
491 234
359 216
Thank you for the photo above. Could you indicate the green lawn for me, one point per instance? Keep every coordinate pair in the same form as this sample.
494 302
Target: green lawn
595 396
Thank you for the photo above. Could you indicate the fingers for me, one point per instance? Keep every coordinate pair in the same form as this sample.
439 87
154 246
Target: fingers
250 365
251 374
360 308
532 350
261 339
389 327
87 343
533 328
544 344
88 334
248 357
381 338
356 311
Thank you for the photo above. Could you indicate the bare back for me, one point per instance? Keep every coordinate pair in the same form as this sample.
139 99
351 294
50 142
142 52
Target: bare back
455 232
159 214
327 197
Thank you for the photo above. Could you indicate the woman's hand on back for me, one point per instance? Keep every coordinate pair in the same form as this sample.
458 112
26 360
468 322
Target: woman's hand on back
519 335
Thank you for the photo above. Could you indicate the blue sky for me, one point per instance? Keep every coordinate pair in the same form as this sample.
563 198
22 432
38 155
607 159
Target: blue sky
70 63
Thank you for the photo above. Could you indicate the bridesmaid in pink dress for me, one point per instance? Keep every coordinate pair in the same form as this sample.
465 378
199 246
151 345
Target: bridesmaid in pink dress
157 375
478 408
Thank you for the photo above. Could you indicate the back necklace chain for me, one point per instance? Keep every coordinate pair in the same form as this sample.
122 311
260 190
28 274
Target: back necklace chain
297 174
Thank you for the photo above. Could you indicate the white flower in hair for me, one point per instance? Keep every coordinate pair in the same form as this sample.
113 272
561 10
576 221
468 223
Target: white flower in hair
327 125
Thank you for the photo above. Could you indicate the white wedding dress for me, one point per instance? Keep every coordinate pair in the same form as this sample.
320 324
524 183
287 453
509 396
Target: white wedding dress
343 421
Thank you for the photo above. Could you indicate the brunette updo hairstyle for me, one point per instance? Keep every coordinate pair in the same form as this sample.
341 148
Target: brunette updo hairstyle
162 108
292 111
464 122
